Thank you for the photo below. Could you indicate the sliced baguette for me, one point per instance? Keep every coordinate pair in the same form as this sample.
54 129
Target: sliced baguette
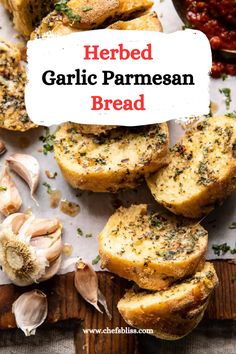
101 14
172 313
147 22
27 14
202 169
154 250
13 114
117 160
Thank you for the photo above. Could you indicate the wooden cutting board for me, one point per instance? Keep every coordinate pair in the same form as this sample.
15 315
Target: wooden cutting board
65 304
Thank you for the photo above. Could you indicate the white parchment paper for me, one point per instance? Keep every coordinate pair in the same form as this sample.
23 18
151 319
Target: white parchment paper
96 208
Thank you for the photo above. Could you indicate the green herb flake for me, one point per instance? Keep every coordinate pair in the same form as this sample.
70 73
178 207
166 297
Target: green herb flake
233 277
49 188
221 250
96 260
224 76
48 141
227 93
3 188
79 231
231 114
61 6
87 8
88 235
233 225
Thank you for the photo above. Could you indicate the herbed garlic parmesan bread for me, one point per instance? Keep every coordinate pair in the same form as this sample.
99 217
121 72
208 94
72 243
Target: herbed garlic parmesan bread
106 163
152 249
13 114
79 15
174 312
202 169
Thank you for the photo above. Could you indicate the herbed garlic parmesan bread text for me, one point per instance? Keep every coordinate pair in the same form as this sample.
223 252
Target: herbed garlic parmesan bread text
152 249
174 312
79 15
13 114
118 160
202 169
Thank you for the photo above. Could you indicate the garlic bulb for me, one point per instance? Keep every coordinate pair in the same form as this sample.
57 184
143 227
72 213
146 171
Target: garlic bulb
29 253
86 283
30 310
10 199
27 167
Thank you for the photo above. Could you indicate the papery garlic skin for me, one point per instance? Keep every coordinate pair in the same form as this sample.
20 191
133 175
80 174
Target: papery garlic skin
28 259
30 310
27 167
10 199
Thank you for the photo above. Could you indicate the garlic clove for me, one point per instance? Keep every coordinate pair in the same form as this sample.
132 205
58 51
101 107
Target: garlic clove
50 246
15 221
30 310
27 167
86 283
51 270
27 259
41 227
18 260
10 199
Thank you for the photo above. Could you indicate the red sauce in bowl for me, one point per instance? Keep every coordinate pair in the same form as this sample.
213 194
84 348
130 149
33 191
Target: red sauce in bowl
217 19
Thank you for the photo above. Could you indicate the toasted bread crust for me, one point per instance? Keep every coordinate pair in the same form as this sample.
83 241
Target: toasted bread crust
173 313
118 160
101 14
202 169
154 250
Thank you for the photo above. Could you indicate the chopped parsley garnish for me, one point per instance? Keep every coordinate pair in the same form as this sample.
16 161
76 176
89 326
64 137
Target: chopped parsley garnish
86 8
224 76
233 225
49 188
79 232
227 93
61 6
88 235
231 114
3 188
100 161
96 260
48 141
222 249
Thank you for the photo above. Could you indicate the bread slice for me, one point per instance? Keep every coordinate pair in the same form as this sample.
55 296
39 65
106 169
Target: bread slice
27 14
152 249
117 160
13 114
172 313
92 14
147 22
202 169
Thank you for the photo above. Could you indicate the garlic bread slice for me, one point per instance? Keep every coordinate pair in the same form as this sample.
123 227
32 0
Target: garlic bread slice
174 312
27 14
147 22
13 114
152 249
89 14
202 169
106 163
